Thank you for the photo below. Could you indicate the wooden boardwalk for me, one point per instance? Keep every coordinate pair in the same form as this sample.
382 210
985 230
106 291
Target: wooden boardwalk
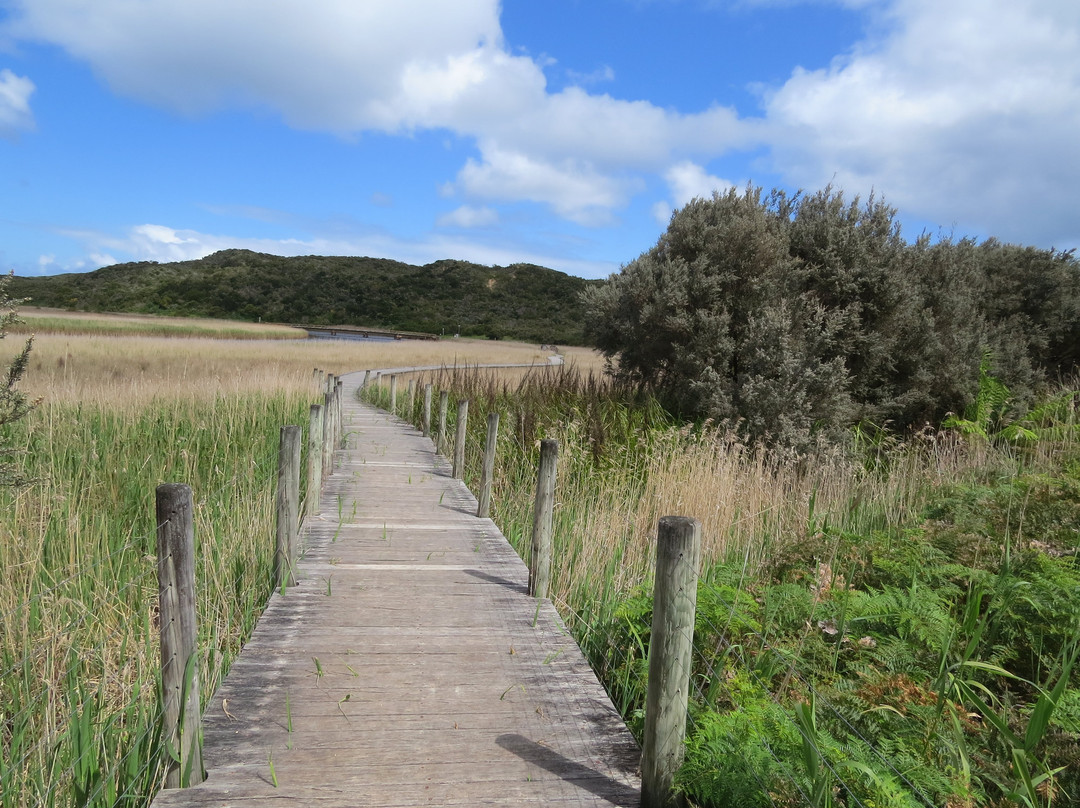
409 666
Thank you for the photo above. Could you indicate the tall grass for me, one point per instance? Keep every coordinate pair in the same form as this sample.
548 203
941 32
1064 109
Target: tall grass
78 647
876 626
79 701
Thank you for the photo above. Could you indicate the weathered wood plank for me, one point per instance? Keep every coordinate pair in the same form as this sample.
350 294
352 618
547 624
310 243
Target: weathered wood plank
408 666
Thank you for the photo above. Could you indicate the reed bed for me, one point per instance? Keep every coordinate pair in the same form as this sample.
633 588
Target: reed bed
118 415
624 465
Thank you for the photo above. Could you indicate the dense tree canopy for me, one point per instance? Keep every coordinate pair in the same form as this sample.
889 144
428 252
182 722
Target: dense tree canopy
798 316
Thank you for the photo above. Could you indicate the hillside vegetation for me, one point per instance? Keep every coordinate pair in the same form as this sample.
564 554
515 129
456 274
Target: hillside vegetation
521 301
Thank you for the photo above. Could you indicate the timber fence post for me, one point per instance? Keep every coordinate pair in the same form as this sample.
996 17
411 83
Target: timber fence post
340 393
339 415
393 394
328 436
427 410
459 438
484 505
671 647
440 440
410 397
315 459
288 494
367 375
540 557
179 634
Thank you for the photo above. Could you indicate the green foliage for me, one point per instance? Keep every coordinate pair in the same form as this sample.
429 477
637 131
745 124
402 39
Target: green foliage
521 301
13 403
796 317
926 660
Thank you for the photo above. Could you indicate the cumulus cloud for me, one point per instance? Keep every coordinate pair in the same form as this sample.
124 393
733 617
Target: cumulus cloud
575 189
966 110
399 66
688 180
15 113
961 111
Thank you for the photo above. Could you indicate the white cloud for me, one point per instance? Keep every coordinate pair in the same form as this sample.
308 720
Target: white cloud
573 188
469 216
15 113
688 180
964 111
392 66
961 111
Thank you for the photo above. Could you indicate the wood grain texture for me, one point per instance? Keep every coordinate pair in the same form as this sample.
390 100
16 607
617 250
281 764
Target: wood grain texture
409 666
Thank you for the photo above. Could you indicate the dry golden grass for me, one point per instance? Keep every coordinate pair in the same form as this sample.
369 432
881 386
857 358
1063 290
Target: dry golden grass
135 370
119 415
59 321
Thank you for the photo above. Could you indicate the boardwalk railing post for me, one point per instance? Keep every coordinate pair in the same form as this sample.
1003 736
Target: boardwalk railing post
393 394
440 440
339 403
459 438
315 459
328 435
540 557
411 398
426 424
678 559
367 376
488 471
288 497
179 633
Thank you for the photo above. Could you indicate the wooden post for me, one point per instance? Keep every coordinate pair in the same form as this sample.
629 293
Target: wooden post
339 402
328 435
393 394
179 634
367 376
427 411
540 557
488 470
459 438
671 648
410 397
440 440
315 459
288 491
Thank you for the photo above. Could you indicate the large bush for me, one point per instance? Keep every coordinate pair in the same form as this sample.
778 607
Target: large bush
794 317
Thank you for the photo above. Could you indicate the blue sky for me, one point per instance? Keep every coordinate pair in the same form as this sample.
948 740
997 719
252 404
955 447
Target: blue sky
561 132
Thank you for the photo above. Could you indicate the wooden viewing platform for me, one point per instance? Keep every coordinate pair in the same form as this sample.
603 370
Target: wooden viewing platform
409 666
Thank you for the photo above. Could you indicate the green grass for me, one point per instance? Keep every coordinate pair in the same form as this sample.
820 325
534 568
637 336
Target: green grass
892 625
80 708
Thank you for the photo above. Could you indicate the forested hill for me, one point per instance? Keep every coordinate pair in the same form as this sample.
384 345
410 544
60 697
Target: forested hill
521 301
